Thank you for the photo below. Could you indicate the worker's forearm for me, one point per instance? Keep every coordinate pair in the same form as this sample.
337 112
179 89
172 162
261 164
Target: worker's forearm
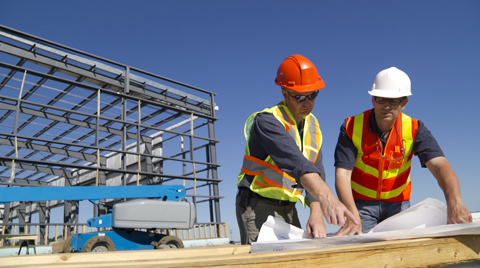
344 188
446 177
451 188
344 193
316 210
315 207
314 184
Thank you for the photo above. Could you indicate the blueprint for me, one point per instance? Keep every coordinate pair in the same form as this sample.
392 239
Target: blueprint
425 219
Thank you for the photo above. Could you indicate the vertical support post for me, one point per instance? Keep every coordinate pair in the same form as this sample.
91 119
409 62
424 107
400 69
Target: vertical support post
194 198
160 164
192 158
184 165
126 90
28 218
21 217
213 160
6 220
43 218
210 202
70 216
148 159
138 142
97 137
67 209
209 184
46 231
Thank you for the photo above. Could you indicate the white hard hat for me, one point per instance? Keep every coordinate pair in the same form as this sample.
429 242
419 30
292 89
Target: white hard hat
391 83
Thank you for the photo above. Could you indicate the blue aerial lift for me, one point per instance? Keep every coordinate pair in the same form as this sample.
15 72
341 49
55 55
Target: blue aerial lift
165 211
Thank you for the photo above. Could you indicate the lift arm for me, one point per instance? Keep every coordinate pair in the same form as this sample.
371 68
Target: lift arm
92 193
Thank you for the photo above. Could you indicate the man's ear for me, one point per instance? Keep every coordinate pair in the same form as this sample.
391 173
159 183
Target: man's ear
284 93
404 103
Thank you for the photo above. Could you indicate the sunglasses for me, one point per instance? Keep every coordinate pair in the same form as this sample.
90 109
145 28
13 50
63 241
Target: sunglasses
302 98
393 102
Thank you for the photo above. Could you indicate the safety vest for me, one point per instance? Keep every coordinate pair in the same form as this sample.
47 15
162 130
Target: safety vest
269 181
382 176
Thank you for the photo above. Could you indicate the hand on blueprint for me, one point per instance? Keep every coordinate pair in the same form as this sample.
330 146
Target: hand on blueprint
350 228
448 182
333 210
315 225
458 213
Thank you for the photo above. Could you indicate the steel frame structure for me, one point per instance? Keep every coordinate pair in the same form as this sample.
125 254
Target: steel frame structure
69 118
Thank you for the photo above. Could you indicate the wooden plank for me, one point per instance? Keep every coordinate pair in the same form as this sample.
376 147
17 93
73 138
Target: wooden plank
80 259
400 253
19 236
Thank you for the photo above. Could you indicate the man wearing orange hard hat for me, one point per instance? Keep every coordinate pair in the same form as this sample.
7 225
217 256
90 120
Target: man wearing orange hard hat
283 156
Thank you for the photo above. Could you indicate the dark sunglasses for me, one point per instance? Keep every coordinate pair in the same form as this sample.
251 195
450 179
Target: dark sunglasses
393 102
302 98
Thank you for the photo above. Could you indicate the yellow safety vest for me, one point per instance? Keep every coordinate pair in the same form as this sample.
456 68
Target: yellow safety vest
269 181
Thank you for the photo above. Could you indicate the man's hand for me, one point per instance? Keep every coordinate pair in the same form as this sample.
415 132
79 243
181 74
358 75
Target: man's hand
334 211
448 181
458 213
315 225
350 228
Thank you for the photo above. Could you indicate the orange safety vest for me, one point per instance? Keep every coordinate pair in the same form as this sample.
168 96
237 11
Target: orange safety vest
269 181
382 176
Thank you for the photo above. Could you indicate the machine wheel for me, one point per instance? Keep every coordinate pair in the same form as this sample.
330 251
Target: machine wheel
67 245
99 244
168 242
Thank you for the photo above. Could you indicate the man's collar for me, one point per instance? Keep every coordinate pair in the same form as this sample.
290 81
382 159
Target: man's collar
286 107
372 124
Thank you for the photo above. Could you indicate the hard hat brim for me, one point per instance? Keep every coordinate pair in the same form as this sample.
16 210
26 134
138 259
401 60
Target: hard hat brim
388 93
312 87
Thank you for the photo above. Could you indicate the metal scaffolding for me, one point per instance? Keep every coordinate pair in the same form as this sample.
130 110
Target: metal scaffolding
69 118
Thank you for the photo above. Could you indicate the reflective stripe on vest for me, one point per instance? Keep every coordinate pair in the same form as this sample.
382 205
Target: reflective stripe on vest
380 178
269 181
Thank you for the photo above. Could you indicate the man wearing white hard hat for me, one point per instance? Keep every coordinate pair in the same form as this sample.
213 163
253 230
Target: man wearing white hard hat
374 153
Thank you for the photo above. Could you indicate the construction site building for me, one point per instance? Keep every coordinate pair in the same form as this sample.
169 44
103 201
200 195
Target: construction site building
69 118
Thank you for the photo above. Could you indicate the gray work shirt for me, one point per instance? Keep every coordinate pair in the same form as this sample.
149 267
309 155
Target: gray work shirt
425 145
268 137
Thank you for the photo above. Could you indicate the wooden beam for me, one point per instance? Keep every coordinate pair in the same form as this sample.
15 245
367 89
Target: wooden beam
18 236
400 253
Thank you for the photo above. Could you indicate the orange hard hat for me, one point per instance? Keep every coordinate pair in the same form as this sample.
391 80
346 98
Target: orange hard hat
298 74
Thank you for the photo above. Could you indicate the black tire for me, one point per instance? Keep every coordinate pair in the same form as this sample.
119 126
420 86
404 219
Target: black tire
99 244
67 245
169 242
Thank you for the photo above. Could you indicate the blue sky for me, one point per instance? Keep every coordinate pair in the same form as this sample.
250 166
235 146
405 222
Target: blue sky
233 48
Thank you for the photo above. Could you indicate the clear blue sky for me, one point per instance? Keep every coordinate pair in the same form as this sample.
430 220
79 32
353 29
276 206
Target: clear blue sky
234 48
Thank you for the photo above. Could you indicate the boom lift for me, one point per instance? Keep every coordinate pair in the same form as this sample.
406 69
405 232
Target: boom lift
164 212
